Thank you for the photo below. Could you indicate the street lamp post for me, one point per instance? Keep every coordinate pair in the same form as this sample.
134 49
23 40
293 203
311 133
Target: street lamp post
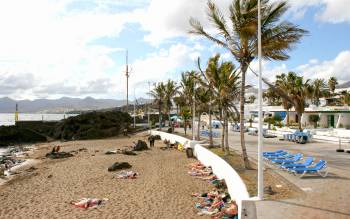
260 130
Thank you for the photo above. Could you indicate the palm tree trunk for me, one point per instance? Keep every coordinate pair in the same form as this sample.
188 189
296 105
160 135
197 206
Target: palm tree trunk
160 117
299 120
210 129
227 149
198 126
222 132
244 68
287 117
185 127
170 123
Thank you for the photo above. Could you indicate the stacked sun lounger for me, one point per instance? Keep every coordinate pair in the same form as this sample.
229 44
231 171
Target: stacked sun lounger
207 133
296 163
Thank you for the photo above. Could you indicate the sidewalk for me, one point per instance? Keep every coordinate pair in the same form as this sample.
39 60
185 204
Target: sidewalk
324 197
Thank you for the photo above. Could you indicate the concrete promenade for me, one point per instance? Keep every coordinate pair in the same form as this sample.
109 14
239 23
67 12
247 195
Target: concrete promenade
322 197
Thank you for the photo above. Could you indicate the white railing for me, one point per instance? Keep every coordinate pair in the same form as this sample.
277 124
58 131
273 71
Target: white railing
235 185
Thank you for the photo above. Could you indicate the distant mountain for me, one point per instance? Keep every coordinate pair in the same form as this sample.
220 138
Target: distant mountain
64 104
343 85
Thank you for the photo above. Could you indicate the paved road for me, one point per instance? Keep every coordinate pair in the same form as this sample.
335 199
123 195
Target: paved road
324 197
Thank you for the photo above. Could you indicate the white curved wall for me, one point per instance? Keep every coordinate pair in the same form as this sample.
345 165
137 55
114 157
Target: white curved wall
221 168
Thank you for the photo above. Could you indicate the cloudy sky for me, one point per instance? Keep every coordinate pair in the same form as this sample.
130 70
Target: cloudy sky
76 48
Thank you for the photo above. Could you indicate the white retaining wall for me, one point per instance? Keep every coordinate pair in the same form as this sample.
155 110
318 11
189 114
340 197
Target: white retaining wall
221 169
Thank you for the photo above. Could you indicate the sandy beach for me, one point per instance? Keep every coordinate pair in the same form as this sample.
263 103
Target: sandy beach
163 189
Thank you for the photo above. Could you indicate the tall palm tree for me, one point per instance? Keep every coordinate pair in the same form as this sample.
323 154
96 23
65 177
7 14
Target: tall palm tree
332 82
223 80
187 84
240 36
158 93
297 94
202 105
319 88
283 81
271 97
170 91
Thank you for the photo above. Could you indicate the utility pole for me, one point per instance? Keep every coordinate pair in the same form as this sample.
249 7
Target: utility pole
16 113
127 82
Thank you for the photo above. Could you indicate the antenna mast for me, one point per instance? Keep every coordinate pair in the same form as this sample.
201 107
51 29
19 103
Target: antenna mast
127 82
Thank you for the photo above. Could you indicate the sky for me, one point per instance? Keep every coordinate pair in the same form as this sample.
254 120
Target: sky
76 48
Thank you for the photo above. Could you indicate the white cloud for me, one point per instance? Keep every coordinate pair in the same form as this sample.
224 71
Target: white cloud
167 19
45 39
338 67
333 11
160 66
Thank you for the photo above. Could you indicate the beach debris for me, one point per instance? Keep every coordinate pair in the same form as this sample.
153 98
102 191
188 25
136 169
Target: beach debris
157 137
50 176
126 152
111 152
31 169
59 155
86 203
119 166
82 150
268 190
127 175
140 146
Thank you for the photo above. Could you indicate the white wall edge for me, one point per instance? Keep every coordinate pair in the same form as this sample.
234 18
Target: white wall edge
235 185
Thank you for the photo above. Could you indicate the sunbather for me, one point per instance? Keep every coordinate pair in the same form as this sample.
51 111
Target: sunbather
230 212
88 203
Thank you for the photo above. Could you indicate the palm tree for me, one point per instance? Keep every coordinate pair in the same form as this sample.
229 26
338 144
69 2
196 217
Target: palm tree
319 88
187 84
345 97
202 104
158 93
240 37
179 102
170 91
186 115
222 79
332 82
283 81
297 94
272 98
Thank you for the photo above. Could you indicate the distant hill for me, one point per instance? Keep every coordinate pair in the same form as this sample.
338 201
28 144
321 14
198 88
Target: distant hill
64 104
343 85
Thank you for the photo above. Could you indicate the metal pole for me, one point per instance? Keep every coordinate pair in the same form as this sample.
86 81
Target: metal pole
260 132
148 112
194 111
127 82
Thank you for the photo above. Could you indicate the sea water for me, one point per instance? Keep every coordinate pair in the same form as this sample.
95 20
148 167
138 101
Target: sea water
9 118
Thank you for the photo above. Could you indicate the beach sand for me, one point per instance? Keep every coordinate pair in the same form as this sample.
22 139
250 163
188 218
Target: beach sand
163 189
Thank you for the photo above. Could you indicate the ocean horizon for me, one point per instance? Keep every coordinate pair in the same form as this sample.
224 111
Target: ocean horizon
7 119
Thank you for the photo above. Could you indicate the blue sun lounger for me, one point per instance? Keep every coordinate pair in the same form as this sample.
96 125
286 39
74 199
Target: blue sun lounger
280 154
273 152
320 168
294 159
308 161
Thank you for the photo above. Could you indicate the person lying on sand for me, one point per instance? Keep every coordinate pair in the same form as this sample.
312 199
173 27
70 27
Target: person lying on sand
127 175
88 202
229 212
